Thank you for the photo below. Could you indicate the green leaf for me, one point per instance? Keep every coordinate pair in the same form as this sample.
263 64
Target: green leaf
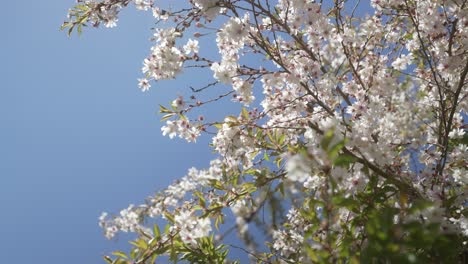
156 231
82 7
153 259
218 125
344 160
250 171
108 259
201 198
140 243
134 253
163 109
348 203
245 113
64 25
335 149
270 136
70 30
166 228
253 154
278 162
167 116
169 217
281 139
281 188
249 187
219 219
120 254
82 19
218 185
327 138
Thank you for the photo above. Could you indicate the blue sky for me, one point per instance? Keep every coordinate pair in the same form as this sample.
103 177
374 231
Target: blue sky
77 137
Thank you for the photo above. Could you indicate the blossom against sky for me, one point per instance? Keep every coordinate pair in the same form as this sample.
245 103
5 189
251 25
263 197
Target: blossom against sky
77 136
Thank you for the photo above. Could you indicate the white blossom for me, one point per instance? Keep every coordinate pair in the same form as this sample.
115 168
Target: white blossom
191 46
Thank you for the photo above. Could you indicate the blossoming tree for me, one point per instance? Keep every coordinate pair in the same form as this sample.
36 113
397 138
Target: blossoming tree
350 145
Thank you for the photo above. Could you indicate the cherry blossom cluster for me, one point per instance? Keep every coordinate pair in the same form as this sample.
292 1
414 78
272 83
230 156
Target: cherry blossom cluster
347 119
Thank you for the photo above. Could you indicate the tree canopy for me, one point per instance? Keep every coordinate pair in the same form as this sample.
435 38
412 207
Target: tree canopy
350 144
